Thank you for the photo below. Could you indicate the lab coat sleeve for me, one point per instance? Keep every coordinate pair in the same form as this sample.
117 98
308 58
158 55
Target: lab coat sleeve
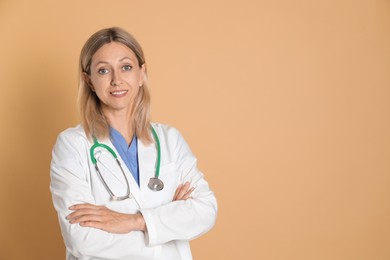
182 220
70 184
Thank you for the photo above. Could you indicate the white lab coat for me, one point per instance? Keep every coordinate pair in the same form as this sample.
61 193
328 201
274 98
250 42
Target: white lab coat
170 225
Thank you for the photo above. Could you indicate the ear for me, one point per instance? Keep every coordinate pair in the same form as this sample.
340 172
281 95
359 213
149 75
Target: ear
143 75
87 79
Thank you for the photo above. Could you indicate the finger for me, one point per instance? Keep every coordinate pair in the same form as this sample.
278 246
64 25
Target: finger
87 211
183 190
109 224
91 224
177 191
180 189
81 212
187 195
98 225
99 215
87 218
84 206
78 215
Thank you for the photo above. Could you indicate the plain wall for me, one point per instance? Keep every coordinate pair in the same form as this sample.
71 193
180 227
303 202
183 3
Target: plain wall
286 104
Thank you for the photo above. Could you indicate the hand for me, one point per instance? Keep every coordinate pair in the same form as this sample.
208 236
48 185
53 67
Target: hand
89 215
183 192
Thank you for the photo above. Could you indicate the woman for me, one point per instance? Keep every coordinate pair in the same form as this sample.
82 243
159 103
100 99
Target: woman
153 200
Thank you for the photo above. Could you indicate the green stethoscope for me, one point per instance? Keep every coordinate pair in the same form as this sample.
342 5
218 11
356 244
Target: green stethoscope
155 184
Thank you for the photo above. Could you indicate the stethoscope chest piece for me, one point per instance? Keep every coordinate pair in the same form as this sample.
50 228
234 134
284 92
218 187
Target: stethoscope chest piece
155 184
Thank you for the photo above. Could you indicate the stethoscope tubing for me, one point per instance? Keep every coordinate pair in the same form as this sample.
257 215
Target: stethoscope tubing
158 161
155 184
112 195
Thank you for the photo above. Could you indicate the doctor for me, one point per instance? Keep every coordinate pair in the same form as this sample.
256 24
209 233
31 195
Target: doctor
150 201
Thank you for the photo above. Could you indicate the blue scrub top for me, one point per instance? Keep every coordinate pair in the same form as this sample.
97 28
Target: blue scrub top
129 154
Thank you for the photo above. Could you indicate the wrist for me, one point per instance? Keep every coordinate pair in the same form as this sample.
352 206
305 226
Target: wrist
140 224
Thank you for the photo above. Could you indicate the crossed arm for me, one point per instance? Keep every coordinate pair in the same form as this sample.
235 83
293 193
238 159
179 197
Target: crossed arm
101 217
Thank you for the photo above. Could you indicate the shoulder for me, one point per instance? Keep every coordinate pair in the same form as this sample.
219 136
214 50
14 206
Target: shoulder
171 138
76 132
162 127
166 131
74 136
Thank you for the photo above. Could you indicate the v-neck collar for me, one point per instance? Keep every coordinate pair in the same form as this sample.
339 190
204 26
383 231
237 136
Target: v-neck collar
117 138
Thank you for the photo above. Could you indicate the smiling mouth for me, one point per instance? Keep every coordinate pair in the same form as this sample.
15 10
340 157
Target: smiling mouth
118 93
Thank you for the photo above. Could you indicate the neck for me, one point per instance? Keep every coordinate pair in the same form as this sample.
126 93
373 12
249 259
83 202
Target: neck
121 121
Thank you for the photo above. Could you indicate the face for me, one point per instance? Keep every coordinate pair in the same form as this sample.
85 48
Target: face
115 77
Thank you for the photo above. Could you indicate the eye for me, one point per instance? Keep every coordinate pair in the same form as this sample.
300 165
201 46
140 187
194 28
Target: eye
103 71
127 67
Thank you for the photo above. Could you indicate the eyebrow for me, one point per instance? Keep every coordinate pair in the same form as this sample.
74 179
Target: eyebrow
106 62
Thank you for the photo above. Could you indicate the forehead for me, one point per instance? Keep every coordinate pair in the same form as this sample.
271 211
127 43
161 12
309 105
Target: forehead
113 51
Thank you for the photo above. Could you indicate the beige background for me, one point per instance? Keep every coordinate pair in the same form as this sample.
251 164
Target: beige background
285 103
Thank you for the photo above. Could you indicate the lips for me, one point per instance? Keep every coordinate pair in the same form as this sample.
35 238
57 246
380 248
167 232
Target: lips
118 92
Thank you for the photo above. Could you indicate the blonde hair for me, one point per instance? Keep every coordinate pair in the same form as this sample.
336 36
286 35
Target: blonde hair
92 118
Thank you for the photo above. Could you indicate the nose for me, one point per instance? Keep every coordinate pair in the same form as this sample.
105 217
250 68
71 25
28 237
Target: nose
115 79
